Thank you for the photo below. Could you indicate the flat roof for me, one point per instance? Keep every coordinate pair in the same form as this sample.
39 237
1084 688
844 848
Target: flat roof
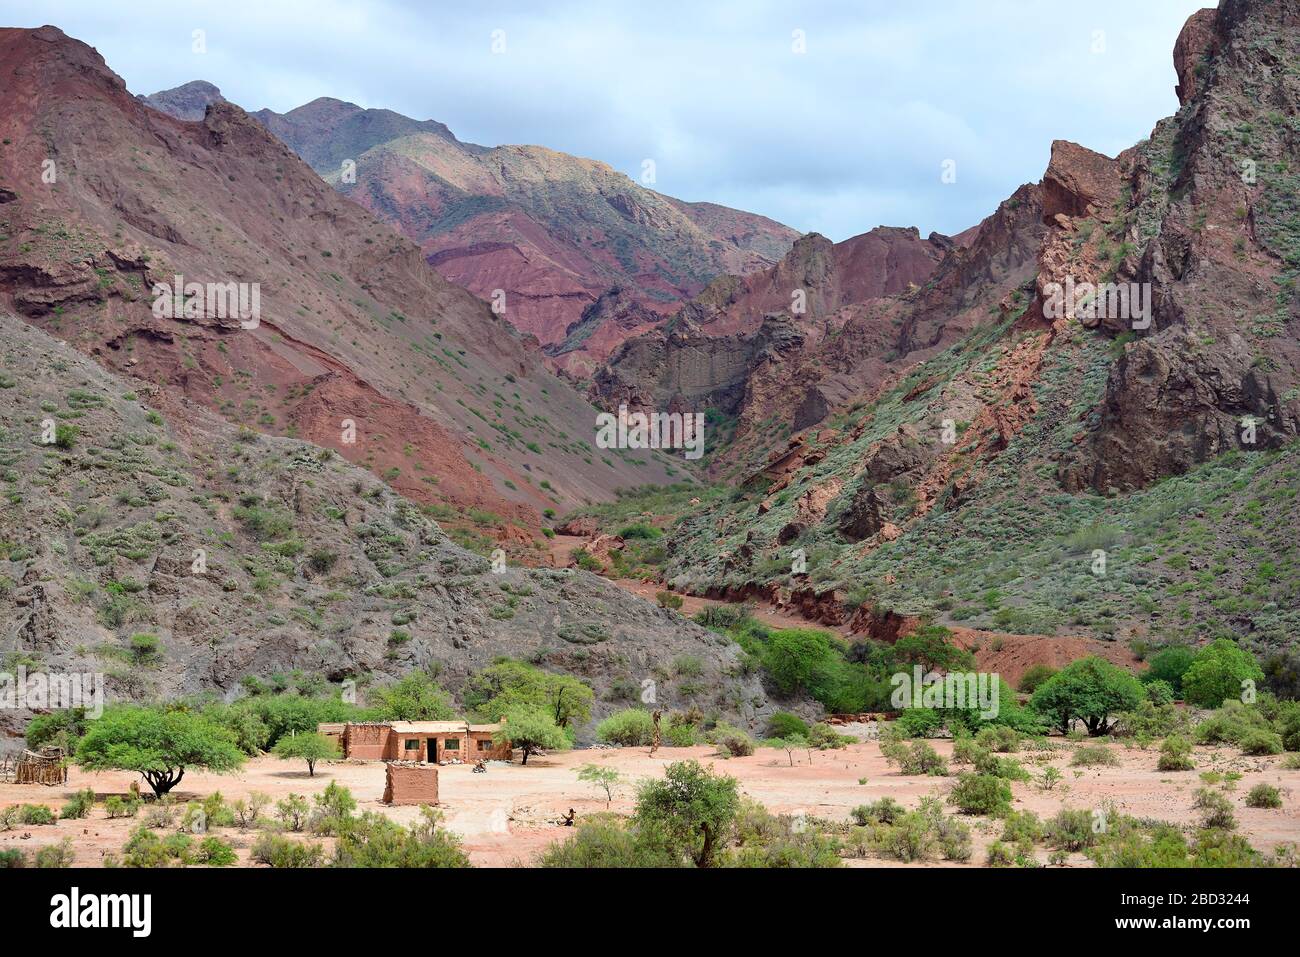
429 727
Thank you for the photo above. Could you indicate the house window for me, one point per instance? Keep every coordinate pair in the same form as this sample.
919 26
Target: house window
451 744
484 744
412 744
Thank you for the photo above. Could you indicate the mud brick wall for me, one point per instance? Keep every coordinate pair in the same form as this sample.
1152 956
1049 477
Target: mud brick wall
368 742
492 752
411 783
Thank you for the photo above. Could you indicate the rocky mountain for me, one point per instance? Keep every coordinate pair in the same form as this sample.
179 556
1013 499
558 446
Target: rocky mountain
1082 420
358 345
163 547
542 234
186 102
737 348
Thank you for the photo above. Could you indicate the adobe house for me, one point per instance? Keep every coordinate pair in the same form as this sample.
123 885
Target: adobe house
426 742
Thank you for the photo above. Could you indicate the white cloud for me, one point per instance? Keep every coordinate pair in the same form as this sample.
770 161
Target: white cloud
843 137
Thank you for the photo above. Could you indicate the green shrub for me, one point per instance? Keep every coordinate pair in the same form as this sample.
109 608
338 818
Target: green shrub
276 850
1022 828
1094 756
782 724
680 732
1034 677
1216 810
1219 673
35 814
120 807
1160 692
731 742
78 805
916 758
1175 755
998 738
667 599
980 794
55 855
640 530
884 811
999 855
1071 830
1264 795
1169 665
1258 741
215 852
628 728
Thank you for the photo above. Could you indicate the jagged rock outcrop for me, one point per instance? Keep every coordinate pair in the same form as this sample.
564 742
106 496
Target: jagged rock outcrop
1212 227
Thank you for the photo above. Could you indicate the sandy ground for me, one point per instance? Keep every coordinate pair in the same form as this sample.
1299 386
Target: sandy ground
509 814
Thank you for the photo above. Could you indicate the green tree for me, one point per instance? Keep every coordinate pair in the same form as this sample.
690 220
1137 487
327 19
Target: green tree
690 811
530 730
417 697
508 684
160 745
1170 664
1218 673
310 747
603 778
929 647
1090 690
63 728
797 658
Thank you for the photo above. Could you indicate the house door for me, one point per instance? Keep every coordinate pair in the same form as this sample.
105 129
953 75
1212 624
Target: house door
433 750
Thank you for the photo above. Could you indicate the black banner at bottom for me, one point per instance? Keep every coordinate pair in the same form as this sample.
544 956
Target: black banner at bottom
283 904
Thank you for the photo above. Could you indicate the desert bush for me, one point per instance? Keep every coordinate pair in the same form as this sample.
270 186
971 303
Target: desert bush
999 855
1009 769
955 840
916 758
782 724
333 811
731 742
1216 810
980 794
292 812
248 810
1264 795
372 840
999 738
1175 755
35 814
629 728
215 852
680 731
884 811
1093 756
1034 676
79 805
1257 741
121 807
276 850
823 737
1071 830
55 855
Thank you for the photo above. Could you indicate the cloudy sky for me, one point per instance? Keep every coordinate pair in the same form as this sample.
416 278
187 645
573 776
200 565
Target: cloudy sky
828 116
